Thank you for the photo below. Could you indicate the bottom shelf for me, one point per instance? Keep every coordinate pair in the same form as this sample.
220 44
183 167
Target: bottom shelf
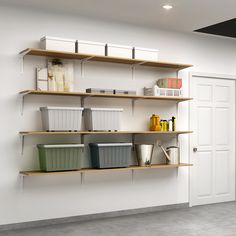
160 166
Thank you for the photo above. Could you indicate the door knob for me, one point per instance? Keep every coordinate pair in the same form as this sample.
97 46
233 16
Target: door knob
194 149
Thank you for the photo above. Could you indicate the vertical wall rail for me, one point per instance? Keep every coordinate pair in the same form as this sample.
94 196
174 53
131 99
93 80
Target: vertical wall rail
22 137
82 62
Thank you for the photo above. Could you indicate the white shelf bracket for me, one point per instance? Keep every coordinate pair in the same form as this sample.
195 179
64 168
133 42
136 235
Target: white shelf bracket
22 102
82 62
21 58
134 68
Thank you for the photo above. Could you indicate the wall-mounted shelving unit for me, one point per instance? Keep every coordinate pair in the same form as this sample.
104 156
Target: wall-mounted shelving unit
86 57
27 133
83 96
79 56
160 166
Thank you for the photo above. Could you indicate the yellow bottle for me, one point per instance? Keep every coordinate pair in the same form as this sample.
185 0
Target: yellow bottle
155 123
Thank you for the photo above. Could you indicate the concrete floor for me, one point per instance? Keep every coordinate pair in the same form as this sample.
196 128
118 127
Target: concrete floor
209 220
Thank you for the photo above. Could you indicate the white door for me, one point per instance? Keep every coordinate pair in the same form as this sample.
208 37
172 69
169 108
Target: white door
212 146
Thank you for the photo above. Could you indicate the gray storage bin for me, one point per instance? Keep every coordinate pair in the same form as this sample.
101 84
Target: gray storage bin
100 119
61 118
110 155
60 157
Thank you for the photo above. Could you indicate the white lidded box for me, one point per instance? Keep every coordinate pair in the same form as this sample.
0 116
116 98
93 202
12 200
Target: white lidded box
58 44
61 118
156 91
115 50
101 119
88 47
146 54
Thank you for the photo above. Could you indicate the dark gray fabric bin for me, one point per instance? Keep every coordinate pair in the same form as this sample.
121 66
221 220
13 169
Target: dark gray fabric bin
110 155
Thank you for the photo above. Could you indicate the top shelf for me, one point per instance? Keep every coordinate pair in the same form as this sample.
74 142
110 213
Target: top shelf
69 55
80 94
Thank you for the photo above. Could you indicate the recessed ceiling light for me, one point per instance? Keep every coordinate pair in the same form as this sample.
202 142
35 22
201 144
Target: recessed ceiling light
167 7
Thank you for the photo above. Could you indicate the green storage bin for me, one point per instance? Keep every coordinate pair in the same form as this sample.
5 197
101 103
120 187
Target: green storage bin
60 157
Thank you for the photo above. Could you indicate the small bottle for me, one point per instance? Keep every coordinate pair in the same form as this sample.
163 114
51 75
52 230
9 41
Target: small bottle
161 123
173 123
164 125
170 125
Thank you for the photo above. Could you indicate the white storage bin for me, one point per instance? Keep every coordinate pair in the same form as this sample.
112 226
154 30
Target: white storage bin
93 48
58 44
102 118
61 118
146 54
156 91
114 50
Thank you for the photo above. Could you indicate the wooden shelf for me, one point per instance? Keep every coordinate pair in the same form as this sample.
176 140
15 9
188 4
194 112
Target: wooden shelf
160 166
26 133
68 55
79 94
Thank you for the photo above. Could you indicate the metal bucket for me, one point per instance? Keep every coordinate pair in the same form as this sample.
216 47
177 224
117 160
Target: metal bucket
144 154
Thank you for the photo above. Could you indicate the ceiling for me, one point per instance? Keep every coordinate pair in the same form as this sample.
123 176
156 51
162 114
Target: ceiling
186 15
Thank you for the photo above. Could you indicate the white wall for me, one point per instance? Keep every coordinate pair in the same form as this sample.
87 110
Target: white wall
61 196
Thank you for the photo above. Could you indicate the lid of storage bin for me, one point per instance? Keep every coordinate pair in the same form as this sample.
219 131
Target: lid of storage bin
146 49
60 145
91 42
119 46
111 144
62 108
104 109
101 89
57 39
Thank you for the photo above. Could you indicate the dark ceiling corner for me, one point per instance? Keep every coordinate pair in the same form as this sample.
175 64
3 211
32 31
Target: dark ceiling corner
226 28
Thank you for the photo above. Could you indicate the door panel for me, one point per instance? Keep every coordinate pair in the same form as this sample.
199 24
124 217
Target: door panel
221 126
204 124
222 93
204 93
221 172
204 186
212 118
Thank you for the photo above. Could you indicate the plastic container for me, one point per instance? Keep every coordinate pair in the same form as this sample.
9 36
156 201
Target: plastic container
58 44
114 50
110 155
173 83
156 91
128 92
61 118
102 119
97 90
146 54
88 47
60 157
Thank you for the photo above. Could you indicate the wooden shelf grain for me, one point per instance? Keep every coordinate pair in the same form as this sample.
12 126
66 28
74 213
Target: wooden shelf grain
160 166
69 55
124 96
26 133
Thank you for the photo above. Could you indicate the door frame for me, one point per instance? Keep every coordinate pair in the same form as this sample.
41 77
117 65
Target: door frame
209 76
